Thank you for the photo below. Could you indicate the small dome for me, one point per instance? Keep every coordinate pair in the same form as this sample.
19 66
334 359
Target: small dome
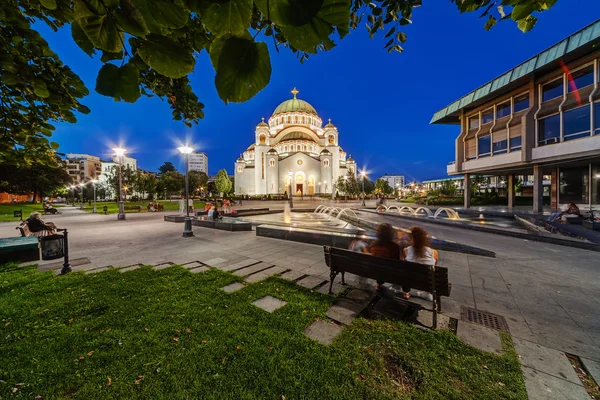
350 159
262 123
251 147
272 151
329 125
295 105
240 159
325 152
297 136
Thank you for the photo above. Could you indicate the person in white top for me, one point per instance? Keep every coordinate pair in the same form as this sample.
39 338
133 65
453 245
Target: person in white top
419 252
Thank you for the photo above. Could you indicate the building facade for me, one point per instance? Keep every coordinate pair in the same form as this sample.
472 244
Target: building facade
540 118
395 181
83 167
198 162
293 150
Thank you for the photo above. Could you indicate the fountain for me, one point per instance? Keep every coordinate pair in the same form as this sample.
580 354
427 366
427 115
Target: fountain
450 212
287 213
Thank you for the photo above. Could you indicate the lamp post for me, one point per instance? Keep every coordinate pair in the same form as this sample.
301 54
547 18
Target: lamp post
290 174
73 193
363 173
81 186
187 228
94 181
120 152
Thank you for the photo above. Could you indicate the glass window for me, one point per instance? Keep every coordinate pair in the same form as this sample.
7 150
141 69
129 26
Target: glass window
474 122
549 130
574 185
503 110
500 147
581 78
576 123
597 118
521 103
487 116
552 90
515 143
484 146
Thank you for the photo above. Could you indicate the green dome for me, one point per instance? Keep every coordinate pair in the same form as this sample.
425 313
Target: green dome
296 136
295 105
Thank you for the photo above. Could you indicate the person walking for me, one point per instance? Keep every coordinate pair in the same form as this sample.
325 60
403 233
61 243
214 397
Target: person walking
181 205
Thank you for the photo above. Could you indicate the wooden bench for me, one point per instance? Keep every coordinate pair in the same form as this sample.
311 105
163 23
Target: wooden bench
416 276
132 208
25 232
19 249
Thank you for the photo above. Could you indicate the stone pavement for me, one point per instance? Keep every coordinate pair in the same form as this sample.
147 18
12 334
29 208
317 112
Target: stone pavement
549 295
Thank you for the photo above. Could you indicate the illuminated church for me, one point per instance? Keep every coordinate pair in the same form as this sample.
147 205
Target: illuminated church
293 148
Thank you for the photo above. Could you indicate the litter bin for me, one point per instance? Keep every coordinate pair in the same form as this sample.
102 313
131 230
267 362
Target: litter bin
52 246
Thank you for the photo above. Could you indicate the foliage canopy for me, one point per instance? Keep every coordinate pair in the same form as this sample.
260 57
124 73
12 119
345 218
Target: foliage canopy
149 48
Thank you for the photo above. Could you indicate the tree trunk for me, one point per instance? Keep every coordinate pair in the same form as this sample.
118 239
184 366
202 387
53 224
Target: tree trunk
34 195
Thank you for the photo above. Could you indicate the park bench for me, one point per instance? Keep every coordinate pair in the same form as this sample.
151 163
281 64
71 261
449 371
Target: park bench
23 228
416 276
132 208
19 249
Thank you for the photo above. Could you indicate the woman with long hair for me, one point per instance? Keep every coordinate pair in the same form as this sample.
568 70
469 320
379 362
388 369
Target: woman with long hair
419 252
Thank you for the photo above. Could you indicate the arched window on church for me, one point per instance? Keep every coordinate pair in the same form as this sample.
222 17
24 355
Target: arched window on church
262 139
326 163
285 149
304 148
240 168
271 163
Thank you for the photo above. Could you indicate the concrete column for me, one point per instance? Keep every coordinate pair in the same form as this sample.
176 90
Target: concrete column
538 189
510 186
554 188
467 190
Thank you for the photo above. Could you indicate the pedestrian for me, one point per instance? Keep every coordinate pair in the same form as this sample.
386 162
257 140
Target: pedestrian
181 205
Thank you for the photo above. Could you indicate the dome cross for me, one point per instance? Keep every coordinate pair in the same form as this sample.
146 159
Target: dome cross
295 92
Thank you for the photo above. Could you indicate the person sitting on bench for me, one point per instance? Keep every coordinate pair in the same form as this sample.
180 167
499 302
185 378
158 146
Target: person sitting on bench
419 252
384 246
215 214
35 224
49 209
568 211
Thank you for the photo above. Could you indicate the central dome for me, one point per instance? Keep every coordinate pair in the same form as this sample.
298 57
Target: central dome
296 136
295 105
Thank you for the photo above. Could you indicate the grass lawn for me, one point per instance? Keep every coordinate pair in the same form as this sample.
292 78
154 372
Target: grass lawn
170 334
113 208
6 210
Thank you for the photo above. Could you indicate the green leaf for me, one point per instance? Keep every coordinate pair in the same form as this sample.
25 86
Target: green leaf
49 4
40 89
401 36
307 37
172 14
166 56
83 109
244 69
142 7
290 12
9 78
527 24
119 83
521 11
81 39
225 16
102 32
93 6
130 19
108 56
490 23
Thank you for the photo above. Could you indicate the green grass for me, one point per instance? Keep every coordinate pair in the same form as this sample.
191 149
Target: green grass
170 334
6 210
113 208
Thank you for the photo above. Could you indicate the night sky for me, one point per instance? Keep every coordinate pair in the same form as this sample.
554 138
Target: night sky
381 103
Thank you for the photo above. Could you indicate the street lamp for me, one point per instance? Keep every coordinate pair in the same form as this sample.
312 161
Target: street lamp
290 174
81 185
187 228
120 152
363 173
94 181
73 192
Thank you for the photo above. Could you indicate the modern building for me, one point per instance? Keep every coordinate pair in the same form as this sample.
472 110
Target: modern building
198 162
83 167
498 183
540 118
395 181
292 150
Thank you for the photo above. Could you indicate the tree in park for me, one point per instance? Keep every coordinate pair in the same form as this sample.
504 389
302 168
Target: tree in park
383 187
166 167
171 183
222 182
38 179
128 182
196 180
149 48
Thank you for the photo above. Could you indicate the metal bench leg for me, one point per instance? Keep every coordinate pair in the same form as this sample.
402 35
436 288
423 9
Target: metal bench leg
332 276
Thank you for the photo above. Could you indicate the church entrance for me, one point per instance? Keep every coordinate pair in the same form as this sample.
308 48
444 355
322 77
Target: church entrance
298 189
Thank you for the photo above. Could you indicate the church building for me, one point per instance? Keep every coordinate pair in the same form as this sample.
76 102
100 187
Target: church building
293 151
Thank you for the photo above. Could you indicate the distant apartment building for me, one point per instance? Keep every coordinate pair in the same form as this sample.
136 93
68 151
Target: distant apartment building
83 167
541 118
109 166
198 162
395 181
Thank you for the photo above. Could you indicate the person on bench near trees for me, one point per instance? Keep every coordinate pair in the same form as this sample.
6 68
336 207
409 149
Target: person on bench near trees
35 224
385 246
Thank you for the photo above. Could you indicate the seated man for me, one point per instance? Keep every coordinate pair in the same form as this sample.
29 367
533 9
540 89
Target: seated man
37 226
568 211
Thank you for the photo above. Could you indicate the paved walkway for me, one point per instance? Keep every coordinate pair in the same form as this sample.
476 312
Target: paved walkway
549 295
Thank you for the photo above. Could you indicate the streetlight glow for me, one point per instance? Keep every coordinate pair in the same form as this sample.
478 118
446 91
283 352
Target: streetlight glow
185 150
119 151
187 228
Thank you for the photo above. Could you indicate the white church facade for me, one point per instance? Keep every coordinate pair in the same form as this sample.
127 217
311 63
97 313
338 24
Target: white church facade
292 150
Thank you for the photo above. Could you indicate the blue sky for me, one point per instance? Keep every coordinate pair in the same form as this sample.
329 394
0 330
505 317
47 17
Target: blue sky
381 103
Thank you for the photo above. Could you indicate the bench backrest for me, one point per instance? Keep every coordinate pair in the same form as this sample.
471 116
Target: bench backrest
388 270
